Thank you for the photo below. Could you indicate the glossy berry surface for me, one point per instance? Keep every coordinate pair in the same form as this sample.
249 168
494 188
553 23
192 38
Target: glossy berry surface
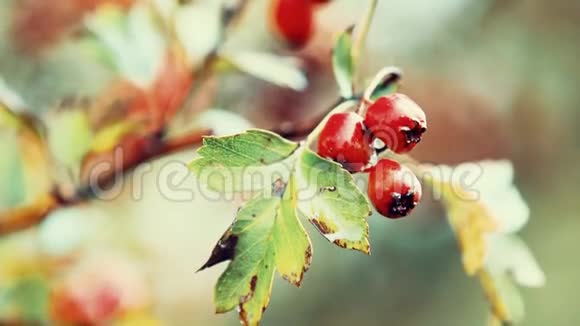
398 121
344 140
293 20
393 189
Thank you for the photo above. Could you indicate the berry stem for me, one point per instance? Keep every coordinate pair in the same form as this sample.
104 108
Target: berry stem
385 77
407 160
345 106
362 31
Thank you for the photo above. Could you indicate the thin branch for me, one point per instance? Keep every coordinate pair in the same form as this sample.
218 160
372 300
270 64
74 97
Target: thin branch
24 217
21 218
362 31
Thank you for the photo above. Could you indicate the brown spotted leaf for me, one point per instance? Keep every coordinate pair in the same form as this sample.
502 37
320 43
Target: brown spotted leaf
253 229
252 310
332 202
266 235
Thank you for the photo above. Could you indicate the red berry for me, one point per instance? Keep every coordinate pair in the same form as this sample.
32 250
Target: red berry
344 140
393 189
293 20
396 120
320 1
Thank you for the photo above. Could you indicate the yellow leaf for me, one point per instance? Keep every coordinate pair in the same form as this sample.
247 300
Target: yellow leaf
470 220
8 118
505 301
110 136
138 318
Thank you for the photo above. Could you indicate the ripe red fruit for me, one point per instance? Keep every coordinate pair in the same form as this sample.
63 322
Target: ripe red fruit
396 120
293 20
344 140
93 308
393 189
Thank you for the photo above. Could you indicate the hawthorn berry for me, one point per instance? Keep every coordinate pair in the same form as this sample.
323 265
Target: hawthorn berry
396 120
293 20
393 189
345 140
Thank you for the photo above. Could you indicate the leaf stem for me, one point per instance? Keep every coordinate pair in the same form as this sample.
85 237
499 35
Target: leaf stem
362 31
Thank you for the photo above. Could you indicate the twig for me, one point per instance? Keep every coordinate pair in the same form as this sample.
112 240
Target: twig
21 218
362 31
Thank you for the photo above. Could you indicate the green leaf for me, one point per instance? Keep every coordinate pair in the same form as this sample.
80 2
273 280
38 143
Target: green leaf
385 82
12 178
333 203
252 230
8 119
277 70
26 297
246 161
266 235
31 295
293 247
342 63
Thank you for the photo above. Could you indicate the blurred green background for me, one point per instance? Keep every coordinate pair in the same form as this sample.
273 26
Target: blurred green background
497 79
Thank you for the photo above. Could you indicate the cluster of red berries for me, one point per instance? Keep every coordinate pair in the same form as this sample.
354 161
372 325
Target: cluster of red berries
393 122
293 20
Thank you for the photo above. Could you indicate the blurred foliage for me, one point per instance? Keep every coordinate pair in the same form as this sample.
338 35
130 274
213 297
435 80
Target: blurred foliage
515 61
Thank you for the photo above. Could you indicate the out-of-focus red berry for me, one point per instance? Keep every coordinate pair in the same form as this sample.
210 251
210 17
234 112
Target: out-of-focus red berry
293 20
85 308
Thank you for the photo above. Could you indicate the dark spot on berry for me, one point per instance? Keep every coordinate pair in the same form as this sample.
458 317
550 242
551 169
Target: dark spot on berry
414 135
402 204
